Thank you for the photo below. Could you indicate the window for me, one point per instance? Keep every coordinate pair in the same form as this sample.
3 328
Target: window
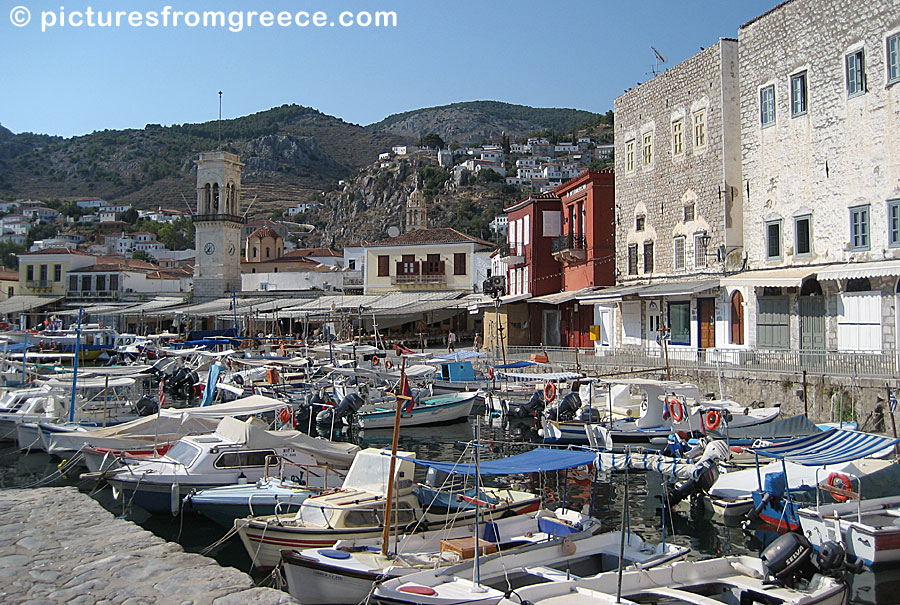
647 148
802 236
351 264
30 273
679 253
629 156
894 223
648 257
632 259
407 265
459 263
114 283
855 69
433 264
767 106
10 292
773 239
678 137
85 283
859 228
699 252
680 323
243 459
688 213
57 272
893 58
383 265
254 251
700 129
267 252
737 318
43 273
639 223
101 283
798 94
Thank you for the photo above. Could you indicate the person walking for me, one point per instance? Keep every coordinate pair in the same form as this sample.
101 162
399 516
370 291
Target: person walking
476 345
451 342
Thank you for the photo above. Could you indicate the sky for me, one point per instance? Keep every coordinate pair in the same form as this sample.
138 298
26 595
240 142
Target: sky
59 75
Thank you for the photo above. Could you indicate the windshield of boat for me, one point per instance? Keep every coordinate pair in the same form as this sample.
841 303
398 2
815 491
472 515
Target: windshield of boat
183 453
313 513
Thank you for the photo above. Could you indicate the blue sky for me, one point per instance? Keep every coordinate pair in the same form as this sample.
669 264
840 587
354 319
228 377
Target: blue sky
564 53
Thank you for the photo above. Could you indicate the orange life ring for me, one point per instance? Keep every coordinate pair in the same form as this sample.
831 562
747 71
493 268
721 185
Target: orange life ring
549 391
281 349
672 405
284 415
375 360
491 373
845 484
712 419
388 364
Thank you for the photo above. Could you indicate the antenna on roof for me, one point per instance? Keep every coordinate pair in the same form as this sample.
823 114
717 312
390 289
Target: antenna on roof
190 210
220 117
659 59
250 206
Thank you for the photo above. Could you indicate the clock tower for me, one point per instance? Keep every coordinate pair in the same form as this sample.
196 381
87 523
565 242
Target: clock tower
217 224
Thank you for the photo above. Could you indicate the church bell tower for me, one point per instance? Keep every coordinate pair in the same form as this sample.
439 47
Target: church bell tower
217 224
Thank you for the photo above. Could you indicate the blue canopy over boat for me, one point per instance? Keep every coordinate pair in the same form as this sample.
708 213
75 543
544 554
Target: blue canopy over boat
539 459
828 447
514 365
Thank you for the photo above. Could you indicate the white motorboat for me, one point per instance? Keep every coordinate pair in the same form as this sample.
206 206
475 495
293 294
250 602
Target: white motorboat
869 529
440 409
28 405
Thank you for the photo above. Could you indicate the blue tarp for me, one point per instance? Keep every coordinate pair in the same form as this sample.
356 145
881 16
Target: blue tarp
201 334
19 346
828 447
211 379
539 459
209 342
516 364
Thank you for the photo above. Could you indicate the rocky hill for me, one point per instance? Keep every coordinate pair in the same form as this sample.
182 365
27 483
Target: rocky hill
476 121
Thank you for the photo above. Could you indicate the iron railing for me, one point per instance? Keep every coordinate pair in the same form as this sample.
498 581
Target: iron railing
567 242
861 364
38 283
406 279
92 294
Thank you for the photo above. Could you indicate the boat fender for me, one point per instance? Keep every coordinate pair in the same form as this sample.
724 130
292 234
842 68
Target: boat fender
568 547
175 498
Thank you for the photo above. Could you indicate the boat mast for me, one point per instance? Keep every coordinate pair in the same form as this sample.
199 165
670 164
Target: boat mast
75 365
386 532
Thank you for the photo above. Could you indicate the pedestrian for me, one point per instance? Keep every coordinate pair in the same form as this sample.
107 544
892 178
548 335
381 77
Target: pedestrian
451 342
476 345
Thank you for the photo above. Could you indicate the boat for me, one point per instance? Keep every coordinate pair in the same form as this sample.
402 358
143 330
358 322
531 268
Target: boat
785 574
356 511
440 409
237 451
266 496
28 405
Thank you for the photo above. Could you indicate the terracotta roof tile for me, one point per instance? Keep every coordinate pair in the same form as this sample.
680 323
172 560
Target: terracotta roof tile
445 235
56 250
265 231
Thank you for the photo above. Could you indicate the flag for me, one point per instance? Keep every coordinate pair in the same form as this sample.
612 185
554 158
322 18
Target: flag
161 393
410 403
893 403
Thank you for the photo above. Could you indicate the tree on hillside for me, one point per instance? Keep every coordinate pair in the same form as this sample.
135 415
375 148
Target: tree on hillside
130 216
8 252
141 255
432 140
39 231
72 209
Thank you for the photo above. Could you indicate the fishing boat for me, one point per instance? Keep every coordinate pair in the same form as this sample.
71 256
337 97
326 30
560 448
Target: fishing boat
357 510
785 574
266 496
32 404
439 409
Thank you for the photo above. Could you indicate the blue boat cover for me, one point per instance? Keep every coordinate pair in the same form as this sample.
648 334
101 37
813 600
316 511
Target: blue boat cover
462 355
515 364
828 447
539 459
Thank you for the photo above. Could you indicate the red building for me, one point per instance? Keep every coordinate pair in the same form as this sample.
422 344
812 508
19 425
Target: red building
585 253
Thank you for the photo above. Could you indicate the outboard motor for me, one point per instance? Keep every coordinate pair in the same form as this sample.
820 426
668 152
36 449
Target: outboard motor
566 408
774 488
146 406
788 560
591 415
348 405
700 483
534 405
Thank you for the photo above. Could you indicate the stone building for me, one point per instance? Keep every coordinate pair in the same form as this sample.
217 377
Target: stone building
820 128
678 199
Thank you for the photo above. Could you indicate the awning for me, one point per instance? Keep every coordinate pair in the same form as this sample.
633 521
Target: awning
509 299
884 268
539 377
96 309
150 305
20 303
535 461
254 404
559 297
791 277
828 447
609 294
683 288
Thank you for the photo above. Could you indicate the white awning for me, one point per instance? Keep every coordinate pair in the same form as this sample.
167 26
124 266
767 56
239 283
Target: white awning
678 288
254 404
20 303
559 297
609 294
885 268
790 277
509 299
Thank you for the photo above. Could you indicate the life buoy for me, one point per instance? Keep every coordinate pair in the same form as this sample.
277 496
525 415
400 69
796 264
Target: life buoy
834 479
388 364
673 405
375 360
712 419
491 373
282 350
549 391
284 415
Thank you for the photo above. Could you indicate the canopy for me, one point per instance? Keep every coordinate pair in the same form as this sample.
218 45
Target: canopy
791 277
884 268
20 303
515 364
829 447
539 459
254 404
462 355
541 377
783 428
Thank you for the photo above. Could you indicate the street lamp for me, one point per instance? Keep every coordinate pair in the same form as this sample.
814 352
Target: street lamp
704 240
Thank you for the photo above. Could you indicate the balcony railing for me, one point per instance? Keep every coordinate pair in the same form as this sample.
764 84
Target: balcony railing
37 284
231 218
512 254
353 278
107 294
417 279
568 248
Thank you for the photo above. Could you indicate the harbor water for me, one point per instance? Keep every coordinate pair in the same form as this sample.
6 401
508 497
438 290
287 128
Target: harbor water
707 536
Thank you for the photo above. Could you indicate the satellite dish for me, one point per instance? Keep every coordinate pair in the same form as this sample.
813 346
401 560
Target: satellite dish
393 231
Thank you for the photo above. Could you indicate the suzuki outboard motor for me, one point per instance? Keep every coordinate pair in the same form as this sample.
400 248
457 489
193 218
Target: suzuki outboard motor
524 410
566 408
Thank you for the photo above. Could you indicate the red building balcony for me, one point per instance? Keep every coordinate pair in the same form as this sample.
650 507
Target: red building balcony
569 249
512 254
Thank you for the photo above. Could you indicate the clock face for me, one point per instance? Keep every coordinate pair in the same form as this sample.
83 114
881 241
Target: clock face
209 248
231 250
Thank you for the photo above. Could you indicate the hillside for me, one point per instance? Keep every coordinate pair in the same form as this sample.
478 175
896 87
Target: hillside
289 152
475 121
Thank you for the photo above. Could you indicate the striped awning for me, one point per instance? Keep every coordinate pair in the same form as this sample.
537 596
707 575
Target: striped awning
540 377
833 446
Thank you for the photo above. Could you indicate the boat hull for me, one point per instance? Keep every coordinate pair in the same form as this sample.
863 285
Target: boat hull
869 531
456 410
320 586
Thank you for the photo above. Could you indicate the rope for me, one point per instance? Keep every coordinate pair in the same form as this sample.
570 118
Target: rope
59 472
208 550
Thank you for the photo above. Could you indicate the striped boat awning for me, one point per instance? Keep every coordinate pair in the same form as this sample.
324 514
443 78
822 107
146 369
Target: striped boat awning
828 447
540 377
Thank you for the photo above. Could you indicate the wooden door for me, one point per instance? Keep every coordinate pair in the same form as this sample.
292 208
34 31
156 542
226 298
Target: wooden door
706 321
